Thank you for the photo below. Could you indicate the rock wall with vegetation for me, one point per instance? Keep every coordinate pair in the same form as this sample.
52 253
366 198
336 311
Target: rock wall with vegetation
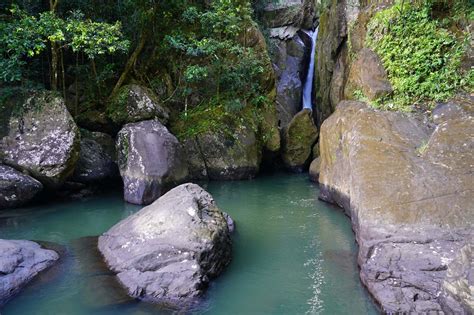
395 103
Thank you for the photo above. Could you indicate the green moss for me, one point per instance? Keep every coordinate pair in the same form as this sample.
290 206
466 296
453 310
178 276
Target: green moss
214 117
421 55
117 107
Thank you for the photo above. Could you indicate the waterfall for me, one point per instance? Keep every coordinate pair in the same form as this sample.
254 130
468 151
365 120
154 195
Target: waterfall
308 85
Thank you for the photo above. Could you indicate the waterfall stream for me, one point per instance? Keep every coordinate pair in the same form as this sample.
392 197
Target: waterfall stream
308 85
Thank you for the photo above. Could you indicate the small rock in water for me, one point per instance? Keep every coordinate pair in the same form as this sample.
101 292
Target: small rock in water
20 262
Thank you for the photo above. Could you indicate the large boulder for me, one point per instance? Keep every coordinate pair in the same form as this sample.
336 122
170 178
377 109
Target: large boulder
150 160
167 252
96 160
41 138
21 261
368 75
299 139
16 188
408 190
220 156
297 13
134 103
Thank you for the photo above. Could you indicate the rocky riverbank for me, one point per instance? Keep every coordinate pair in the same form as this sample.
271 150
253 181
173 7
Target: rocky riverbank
407 185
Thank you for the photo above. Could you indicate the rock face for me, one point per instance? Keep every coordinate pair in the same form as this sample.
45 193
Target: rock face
296 13
16 189
42 138
299 140
459 282
150 160
218 156
167 252
408 190
95 162
331 67
288 64
21 261
314 170
135 103
368 74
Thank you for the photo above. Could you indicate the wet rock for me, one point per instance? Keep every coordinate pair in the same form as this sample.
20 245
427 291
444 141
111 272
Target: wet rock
167 252
299 139
135 103
150 160
368 74
20 262
95 162
16 189
408 190
314 170
42 138
288 64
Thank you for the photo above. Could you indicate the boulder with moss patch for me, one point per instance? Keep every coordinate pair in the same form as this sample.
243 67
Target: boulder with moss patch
408 190
368 74
134 103
151 161
221 155
41 138
299 139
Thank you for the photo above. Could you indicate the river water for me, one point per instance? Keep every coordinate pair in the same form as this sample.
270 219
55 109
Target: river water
292 254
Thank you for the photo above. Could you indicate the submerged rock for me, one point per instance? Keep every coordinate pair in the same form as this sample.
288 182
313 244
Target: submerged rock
150 160
95 162
135 103
42 138
408 190
167 252
16 189
21 261
299 140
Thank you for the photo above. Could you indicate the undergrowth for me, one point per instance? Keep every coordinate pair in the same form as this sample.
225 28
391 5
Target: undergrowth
422 51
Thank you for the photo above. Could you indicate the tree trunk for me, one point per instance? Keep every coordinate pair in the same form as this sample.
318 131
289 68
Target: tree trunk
54 66
63 75
54 52
131 62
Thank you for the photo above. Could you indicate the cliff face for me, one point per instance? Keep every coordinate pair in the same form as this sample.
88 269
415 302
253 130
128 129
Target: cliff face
404 178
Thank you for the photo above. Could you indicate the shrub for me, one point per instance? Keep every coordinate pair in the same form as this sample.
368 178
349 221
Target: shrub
422 57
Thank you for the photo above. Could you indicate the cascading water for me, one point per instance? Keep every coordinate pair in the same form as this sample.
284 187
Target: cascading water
308 86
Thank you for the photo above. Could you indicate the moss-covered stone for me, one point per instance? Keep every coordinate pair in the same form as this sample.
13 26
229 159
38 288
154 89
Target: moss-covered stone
299 140
134 103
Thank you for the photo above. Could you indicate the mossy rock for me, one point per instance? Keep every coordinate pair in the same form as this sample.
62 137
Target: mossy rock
134 103
299 139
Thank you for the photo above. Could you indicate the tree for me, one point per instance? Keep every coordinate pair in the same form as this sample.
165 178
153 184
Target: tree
25 36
